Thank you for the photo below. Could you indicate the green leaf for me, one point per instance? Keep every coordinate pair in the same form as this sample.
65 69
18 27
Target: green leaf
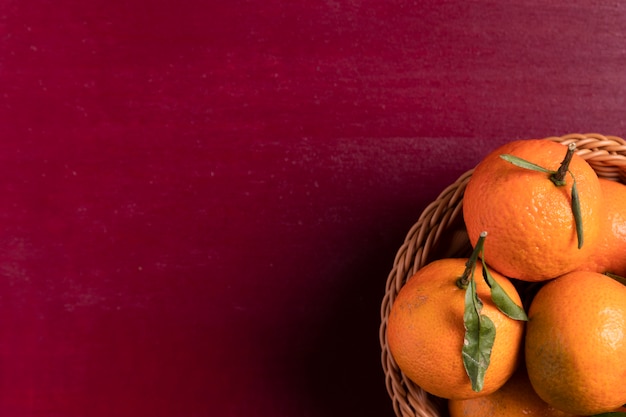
522 163
501 299
576 211
618 278
480 334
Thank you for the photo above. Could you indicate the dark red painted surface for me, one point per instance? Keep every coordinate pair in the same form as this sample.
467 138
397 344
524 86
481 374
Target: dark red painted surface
200 201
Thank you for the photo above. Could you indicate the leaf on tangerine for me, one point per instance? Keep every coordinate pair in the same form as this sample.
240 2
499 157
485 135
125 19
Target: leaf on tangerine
618 278
480 334
577 214
501 299
522 163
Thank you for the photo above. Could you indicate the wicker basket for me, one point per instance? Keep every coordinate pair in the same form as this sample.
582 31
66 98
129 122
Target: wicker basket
440 233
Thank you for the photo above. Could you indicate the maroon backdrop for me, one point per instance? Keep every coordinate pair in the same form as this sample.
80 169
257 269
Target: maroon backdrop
200 201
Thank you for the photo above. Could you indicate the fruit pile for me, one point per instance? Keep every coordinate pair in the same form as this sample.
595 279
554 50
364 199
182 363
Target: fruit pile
533 322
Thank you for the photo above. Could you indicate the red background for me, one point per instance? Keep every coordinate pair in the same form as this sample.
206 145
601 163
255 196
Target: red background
200 201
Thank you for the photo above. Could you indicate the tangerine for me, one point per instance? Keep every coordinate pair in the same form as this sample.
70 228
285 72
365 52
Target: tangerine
608 255
516 398
530 220
426 332
575 344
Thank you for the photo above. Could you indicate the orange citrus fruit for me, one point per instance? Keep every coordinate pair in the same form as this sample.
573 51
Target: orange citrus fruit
575 344
610 251
425 331
516 398
530 220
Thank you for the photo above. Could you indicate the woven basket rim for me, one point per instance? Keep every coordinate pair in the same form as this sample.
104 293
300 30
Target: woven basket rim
607 156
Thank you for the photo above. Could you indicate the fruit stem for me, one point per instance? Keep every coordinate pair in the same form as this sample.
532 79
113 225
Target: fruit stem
470 265
558 178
